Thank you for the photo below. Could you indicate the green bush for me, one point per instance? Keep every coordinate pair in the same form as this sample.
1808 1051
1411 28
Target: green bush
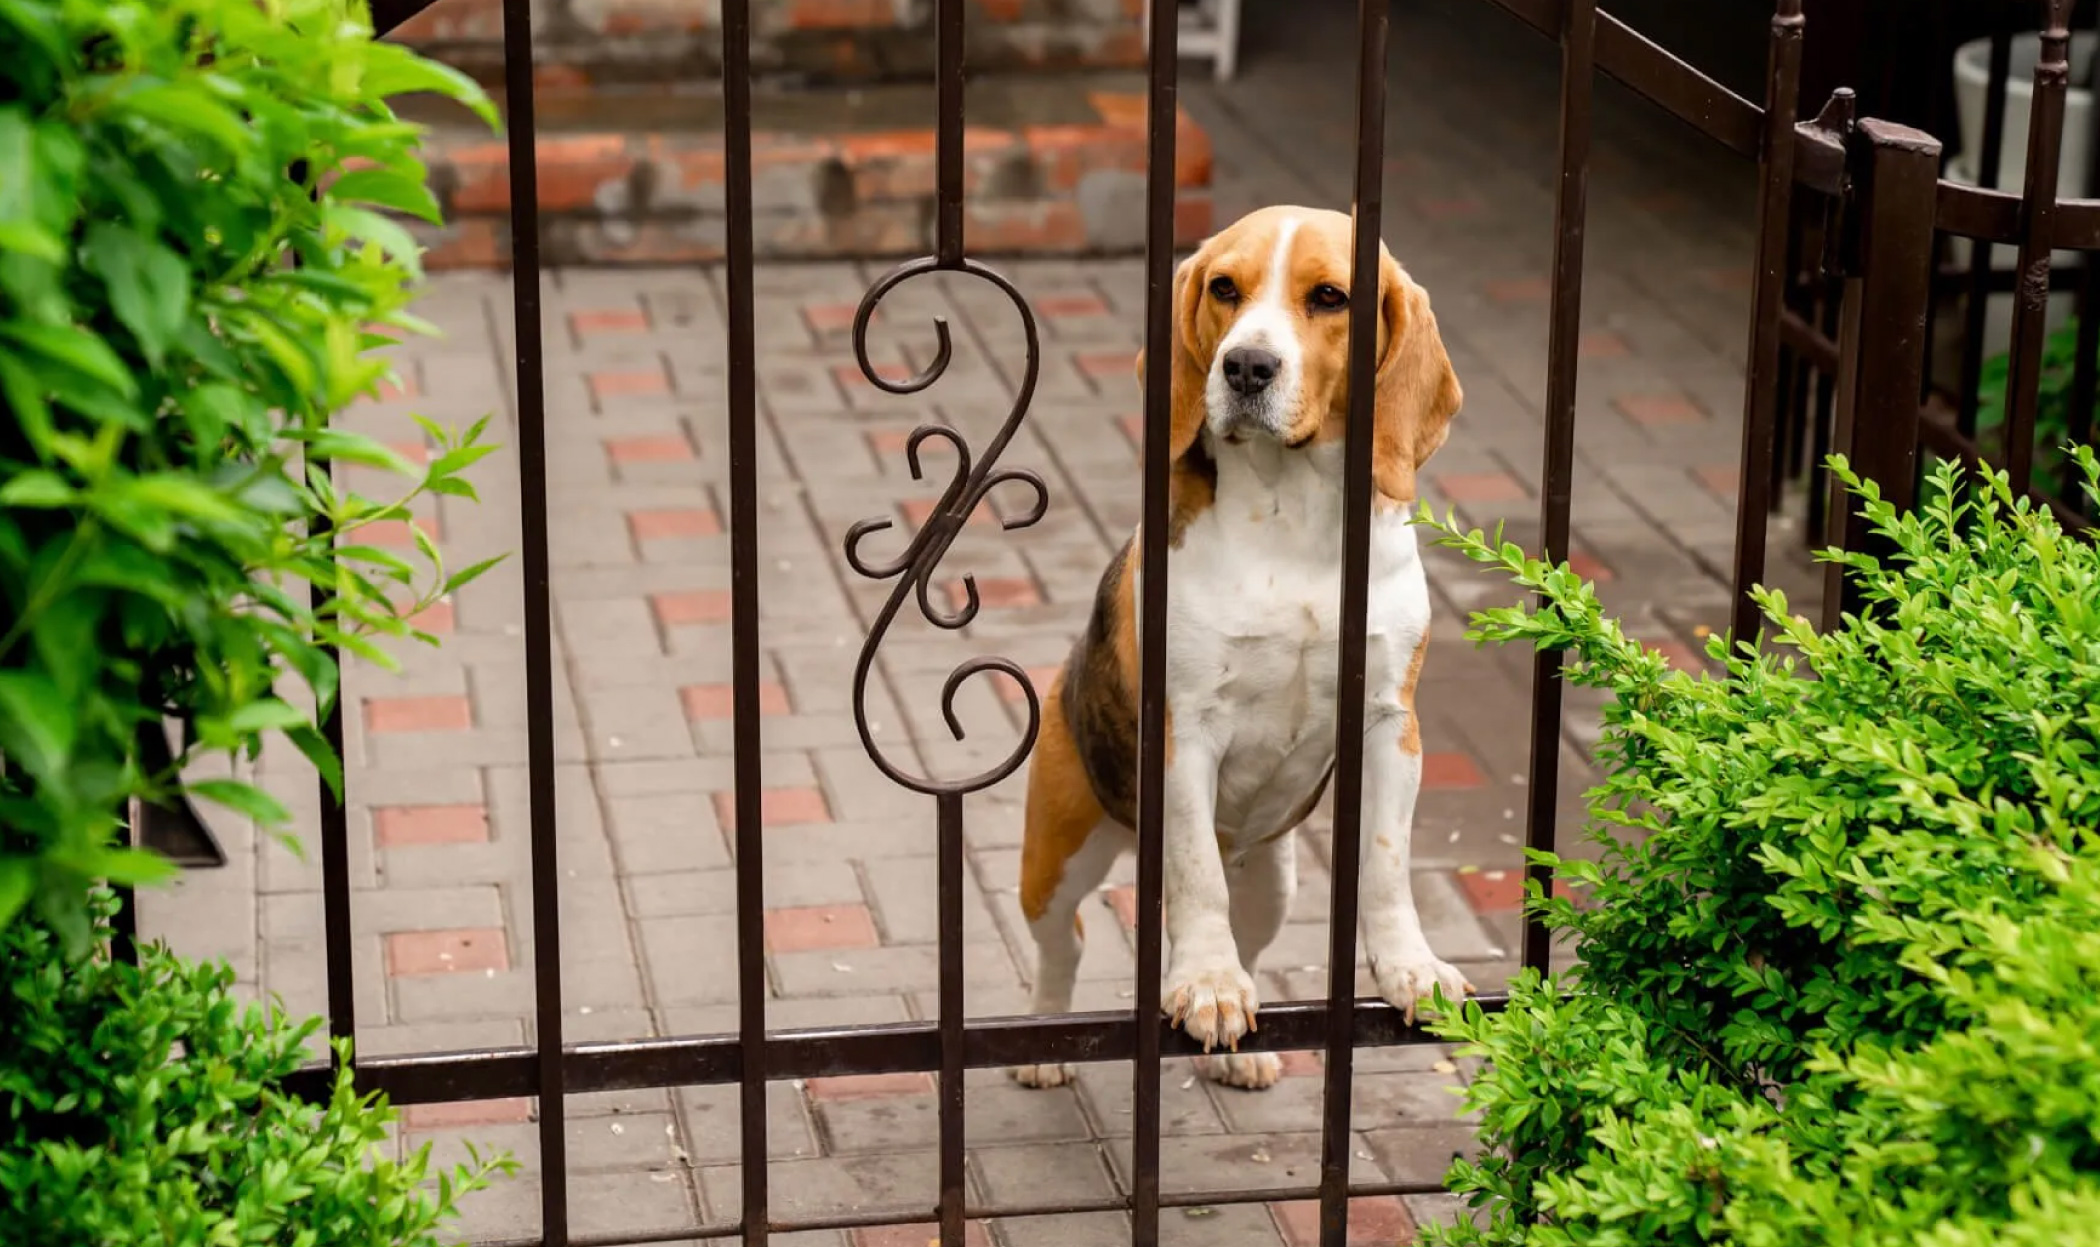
140 1105
1840 960
194 270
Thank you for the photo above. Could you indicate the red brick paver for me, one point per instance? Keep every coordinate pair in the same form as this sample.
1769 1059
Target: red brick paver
588 323
869 1086
777 807
639 383
691 606
718 701
446 952
1479 486
652 448
1657 409
669 523
1374 1221
820 926
419 714
408 825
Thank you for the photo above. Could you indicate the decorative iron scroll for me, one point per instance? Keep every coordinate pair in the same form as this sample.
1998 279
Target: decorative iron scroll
967 489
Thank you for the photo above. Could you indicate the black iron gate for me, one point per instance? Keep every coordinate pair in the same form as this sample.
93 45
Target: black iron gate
1889 178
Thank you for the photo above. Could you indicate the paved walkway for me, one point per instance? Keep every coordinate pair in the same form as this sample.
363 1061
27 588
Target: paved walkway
635 392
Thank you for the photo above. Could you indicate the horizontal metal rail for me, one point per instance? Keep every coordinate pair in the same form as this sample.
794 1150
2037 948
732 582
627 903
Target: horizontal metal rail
820 1052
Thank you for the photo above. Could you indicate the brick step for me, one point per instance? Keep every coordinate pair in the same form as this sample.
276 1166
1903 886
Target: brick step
1052 166
584 43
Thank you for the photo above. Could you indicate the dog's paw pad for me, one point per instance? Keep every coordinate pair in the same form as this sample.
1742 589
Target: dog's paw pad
1408 983
1215 1004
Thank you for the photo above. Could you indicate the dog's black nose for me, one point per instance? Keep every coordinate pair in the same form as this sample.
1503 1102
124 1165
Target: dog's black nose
1249 370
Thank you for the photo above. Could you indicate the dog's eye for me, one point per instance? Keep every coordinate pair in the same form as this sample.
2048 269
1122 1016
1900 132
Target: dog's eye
1222 289
1328 298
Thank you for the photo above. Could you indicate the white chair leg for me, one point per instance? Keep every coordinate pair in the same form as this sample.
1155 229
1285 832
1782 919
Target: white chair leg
1228 39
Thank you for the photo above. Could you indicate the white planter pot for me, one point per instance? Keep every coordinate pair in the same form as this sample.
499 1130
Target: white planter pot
1972 79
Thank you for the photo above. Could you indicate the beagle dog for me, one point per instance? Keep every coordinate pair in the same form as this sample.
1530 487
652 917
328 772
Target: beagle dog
1259 405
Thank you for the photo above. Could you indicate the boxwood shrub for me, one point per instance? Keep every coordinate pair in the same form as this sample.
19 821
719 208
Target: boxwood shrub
1839 977
141 1104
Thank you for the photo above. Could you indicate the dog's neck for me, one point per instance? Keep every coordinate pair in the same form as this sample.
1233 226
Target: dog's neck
1262 481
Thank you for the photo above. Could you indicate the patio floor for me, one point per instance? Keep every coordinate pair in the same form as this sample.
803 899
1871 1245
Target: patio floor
638 447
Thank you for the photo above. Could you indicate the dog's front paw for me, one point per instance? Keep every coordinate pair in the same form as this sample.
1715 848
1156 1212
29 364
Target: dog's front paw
1407 981
1251 1071
1213 1001
1046 1075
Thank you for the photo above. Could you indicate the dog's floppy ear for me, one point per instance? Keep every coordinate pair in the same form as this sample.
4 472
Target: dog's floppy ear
1418 393
1190 372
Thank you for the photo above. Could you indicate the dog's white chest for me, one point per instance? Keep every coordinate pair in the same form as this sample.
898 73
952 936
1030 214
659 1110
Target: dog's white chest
1253 661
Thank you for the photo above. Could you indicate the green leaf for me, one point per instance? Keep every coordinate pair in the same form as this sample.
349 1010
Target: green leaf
266 714
243 799
149 286
129 867
364 225
183 106
390 190
466 576
392 70
317 750
24 390
38 489
36 723
74 348
33 240
184 496
344 446
295 360
17 883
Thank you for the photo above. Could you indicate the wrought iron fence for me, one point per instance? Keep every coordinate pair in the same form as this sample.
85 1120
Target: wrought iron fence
1883 176
1829 255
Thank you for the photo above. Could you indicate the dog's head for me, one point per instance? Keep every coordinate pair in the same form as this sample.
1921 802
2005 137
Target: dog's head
1261 345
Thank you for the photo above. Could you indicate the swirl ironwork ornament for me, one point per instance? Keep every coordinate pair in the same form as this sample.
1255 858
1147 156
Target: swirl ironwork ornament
968 486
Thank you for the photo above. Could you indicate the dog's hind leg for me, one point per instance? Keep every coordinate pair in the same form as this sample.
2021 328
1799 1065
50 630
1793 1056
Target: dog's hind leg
1067 850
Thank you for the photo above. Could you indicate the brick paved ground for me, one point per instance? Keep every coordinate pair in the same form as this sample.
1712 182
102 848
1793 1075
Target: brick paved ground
635 386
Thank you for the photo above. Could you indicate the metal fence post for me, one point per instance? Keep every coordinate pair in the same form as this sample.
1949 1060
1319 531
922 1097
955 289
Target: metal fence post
1888 299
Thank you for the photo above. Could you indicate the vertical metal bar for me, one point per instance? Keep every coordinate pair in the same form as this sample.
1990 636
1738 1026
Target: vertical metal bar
950 805
1373 37
1990 165
335 813
1831 313
1161 115
1787 433
124 923
743 617
337 944
1896 175
2045 131
2084 382
539 634
1768 302
948 149
1578 39
948 249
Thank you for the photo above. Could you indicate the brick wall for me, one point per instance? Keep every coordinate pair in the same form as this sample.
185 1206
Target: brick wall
613 198
580 43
